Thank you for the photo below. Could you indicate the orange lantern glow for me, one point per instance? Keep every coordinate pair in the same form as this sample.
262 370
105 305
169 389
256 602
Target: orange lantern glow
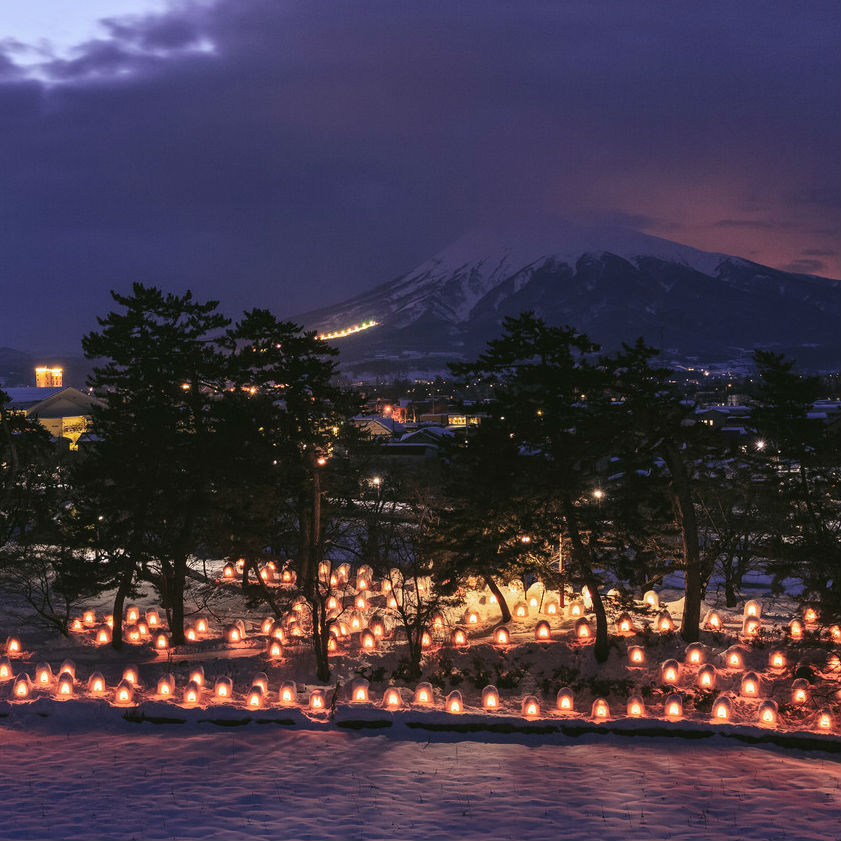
377 627
542 631
133 634
835 633
43 675
192 693
332 604
223 689
665 623
490 698
143 628
636 707
109 621
13 646
65 685
734 658
601 710
583 632
392 603
89 618
161 642
391 699
124 693
458 637
132 614
77 625
530 707
5 669
21 688
777 660
712 621
317 700
288 694
696 654
767 714
454 702
261 679
576 609
521 610
800 691
673 708
706 677
332 645
810 615
367 640
721 708
130 675
624 624
501 636
359 691
426 640
636 655
472 618
201 625
753 609
266 625
191 635
153 619
229 572
750 685
103 636
423 694
795 629
68 666
361 603
276 649
669 671
651 599
166 686
824 720
233 634
197 676
355 622
96 684
255 698
565 700
551 608
751 627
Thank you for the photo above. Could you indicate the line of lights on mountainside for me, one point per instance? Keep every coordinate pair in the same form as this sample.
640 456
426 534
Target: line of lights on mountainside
348 331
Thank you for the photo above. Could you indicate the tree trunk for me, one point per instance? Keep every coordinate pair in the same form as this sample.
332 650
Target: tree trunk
179 577
123 589
504 610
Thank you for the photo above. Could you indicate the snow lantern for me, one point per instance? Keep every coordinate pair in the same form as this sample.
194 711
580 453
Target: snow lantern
576 609
551 607
275 650
600 710
161 642
43 675
795 629
254 700
833 662
229 572
706 677
332 604
454 702
143 628
636 707
751 627
392 699
472 618
361 603
437 622
696 653
130 675
565 700
359 691
223 689
426 639
777 660
109 621
124 693
385 587
799 691
834 632
343 572
750 686
377 626
767 714
670 671
665 623
458 637
392 603
355 622
624 624
542 631
240 564
22 688
233 634
276 631
332 645
712 621
521 610
490 698
673 708
367 640
323 570
501 636
734 658
530 708
13 647
133 634
261 679
153 619
197 675
318 700
587 597
65 686
810 616
166 686
295 629
824 720
191 634
5 669
89 618
753 609
96 684
266 625
722 708
267 575
583 631
636 655
103 636
68 666
132 614
77 625
423 694
651 599
288 694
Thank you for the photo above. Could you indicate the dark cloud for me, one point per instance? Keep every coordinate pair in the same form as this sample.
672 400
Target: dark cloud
805 266
291 154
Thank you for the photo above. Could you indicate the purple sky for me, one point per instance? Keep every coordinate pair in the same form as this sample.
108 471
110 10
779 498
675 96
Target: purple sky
289 154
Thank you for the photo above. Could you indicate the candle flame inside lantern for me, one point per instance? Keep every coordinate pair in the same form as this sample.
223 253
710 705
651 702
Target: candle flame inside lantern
14 646
426 640
65 687
721 711
714 621
601 710
778 660
501 637
795 630
635 710
392 698
472 618
810 614
825 722
360 695
673 709
636 654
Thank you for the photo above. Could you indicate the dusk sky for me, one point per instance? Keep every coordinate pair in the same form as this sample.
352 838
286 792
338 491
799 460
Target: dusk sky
290 154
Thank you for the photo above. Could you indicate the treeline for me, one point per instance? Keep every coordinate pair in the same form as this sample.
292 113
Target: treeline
223 439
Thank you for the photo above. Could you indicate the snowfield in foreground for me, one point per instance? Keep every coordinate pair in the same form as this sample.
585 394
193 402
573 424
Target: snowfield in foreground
259 781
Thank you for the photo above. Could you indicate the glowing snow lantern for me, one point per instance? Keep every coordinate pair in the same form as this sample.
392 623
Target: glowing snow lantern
625 624
355 622
565 700
130 675
734 658
65 685
385 587
276 632
255 698
490 698
68 666
166 686
197 676
795 629
153 618
530 707
810 615
161 642
636 655
132 614
43 675
223 688
392 699
777 660
753 609
288 694
240 564
229 572
191 634
233 634
835 632
392 603
332 604
377 627
600 709
332 645
5 669
362 584
458 637
583 632
673 707
261 680
103 635
109 621
22 687
343 572
334 580
521 610
437 622
472 618
722 708
367 640
542 630
77 625
799 691
13 647
751 627
824 720
833 662
670 671
124 693
426 640
201 625
423 694
712 621
454 703
576 609
192 693
696 653
501 636
318 701
651 599
133 634
551 608
767 714
323 570
96 684
361 603
89 618
706 677
636 707
665 623
143 628
359 691
275 649
750 685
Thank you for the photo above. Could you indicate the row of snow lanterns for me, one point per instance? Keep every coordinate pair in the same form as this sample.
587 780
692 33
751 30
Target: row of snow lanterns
269 573
139 628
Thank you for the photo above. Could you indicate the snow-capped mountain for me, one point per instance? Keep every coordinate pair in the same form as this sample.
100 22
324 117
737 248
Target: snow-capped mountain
613 283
